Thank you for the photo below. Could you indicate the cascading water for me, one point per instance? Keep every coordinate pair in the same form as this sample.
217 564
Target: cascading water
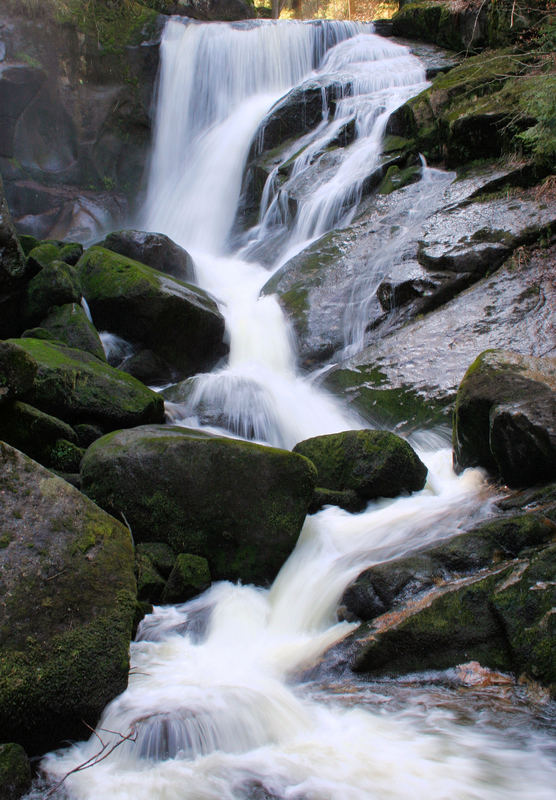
212 704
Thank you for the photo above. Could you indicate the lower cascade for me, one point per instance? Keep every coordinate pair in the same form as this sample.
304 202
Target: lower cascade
228 695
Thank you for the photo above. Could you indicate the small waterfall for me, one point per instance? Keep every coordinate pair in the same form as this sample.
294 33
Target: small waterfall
212 709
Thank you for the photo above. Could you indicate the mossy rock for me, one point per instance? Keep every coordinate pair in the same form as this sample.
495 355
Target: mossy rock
388 586
55 285
160 554
505 417
33 431
66 456
13 268
70 325
189 577
177 321
397 178
238 504
77 387
68 597
15 771
150 583
28 243
18 371
153 249
368 462
43 255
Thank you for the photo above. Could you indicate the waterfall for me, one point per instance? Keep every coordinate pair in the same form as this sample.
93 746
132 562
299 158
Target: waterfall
213 704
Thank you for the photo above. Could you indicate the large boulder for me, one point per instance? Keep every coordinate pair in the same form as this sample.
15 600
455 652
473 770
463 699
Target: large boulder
77 387
56 284
238 504
67 597
370 463
153 249
177 321
505 417
35 433
15 771
18 371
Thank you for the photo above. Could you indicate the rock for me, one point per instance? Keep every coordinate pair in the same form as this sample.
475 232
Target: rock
70 325
13 271
33 431
160 554
15 771
55 285
177 321
370 463
153 249
442 23
189 577
77 387
411 375
68 602
386 587
18 371
501 617
208 10
43 255
223 499
150 584
147 367
505 417
12 259
298 112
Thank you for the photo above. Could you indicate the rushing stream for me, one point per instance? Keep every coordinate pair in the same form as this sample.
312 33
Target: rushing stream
213 703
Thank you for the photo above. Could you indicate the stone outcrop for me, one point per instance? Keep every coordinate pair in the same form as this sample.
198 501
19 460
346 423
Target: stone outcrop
68 603
505 417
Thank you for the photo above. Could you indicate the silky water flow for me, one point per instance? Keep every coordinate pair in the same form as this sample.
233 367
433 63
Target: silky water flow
213 701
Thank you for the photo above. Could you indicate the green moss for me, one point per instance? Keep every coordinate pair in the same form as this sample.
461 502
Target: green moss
5 539
397 178
15 771
114 25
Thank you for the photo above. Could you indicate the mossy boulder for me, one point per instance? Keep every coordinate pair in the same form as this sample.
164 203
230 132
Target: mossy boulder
12 259
451 25
505 417
15 771
189 577
18 371
69 325
153 249
55 285
68 600
77 387
177 321
33 431
501 616
150 583
238 504
388 586
43 255
368 462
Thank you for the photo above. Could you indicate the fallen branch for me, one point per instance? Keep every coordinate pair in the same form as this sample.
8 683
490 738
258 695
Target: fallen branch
104 752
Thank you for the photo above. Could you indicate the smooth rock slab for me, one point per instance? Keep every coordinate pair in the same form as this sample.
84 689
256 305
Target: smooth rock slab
238 504
67 603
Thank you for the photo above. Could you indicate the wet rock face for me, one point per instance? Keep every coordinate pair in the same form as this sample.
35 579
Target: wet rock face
68 602
75 127
238 504
505 417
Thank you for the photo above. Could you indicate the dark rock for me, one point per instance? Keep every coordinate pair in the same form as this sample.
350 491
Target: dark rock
55 285
223 499
65 457
12 259
18 370
209 10
15 771
150 584
160 554
347 499
69 325
68 601
177 321
77 387
368 462
457 28
189 577
386 587
153 249
147 367
505 417
33 431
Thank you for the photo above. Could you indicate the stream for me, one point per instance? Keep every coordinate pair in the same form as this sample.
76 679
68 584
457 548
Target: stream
217 706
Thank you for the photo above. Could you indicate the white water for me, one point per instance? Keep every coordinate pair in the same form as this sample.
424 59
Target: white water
212 697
